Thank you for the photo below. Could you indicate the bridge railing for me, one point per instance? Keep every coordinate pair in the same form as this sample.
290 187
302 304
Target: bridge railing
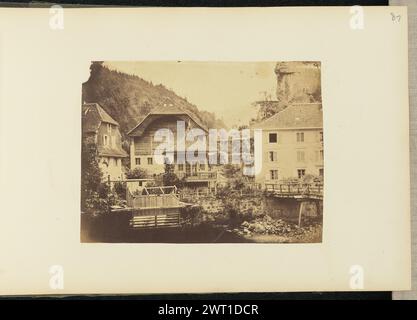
295 189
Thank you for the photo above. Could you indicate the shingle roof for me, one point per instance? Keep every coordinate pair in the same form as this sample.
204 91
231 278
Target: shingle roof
166 110
92 116
306 115
111 152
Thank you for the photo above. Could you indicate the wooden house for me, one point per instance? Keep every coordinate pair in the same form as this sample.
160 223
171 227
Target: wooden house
199 175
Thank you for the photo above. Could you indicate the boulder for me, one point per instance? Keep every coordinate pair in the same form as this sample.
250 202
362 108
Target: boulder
245 224
259 228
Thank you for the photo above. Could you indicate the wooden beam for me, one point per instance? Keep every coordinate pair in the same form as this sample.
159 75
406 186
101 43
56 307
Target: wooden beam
300 213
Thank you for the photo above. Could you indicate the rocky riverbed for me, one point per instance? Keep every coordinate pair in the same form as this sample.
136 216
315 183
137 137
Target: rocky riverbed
267 229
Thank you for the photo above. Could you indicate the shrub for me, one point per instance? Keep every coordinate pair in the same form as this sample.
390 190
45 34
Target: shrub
95 204
137 173
169 178
120 189
191 215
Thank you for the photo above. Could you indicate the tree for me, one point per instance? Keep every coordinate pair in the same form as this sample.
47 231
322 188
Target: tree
93 191
169 177
231 170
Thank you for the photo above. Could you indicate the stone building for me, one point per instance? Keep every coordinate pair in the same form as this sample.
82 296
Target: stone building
292 143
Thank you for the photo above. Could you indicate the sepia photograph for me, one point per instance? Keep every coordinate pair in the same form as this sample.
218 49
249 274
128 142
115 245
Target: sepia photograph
202 152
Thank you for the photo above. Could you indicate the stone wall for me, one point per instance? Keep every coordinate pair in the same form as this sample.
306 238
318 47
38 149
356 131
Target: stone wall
255 206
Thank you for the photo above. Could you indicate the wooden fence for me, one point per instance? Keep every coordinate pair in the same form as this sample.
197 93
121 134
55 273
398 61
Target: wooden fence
154 197
157 221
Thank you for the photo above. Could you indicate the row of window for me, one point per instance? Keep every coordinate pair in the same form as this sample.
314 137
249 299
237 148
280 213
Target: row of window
202 166
273 157
273 137
109 140
273 174
109 128
138 161
112 162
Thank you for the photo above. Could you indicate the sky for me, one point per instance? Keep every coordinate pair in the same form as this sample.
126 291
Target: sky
226 88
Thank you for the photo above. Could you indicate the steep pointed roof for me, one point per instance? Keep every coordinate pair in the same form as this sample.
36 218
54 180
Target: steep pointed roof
295 116
162 111
93 115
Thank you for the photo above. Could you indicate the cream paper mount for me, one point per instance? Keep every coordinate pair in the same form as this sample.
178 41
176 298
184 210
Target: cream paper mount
47 58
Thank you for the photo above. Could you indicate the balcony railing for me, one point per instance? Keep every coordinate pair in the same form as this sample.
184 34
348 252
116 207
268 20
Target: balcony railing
196 176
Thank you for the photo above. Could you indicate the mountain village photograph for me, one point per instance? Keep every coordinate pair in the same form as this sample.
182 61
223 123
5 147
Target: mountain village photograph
202 152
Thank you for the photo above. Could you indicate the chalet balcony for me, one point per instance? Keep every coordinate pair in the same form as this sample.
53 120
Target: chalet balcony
198 176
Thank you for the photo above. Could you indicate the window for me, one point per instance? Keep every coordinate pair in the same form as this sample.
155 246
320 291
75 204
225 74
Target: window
273 174
202 167
300 156
105 140
194 169
321 155
150 160
321 136
180 167
137 161
109 128
300 136
273 138
272 156
321 172
301 173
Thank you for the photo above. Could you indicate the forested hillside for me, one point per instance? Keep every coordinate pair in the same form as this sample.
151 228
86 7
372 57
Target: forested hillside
128 98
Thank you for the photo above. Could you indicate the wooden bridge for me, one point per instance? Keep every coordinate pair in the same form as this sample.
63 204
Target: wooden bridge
299 193
155 207
295 191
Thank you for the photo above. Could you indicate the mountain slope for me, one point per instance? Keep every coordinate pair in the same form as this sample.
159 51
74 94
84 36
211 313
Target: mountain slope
129 98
